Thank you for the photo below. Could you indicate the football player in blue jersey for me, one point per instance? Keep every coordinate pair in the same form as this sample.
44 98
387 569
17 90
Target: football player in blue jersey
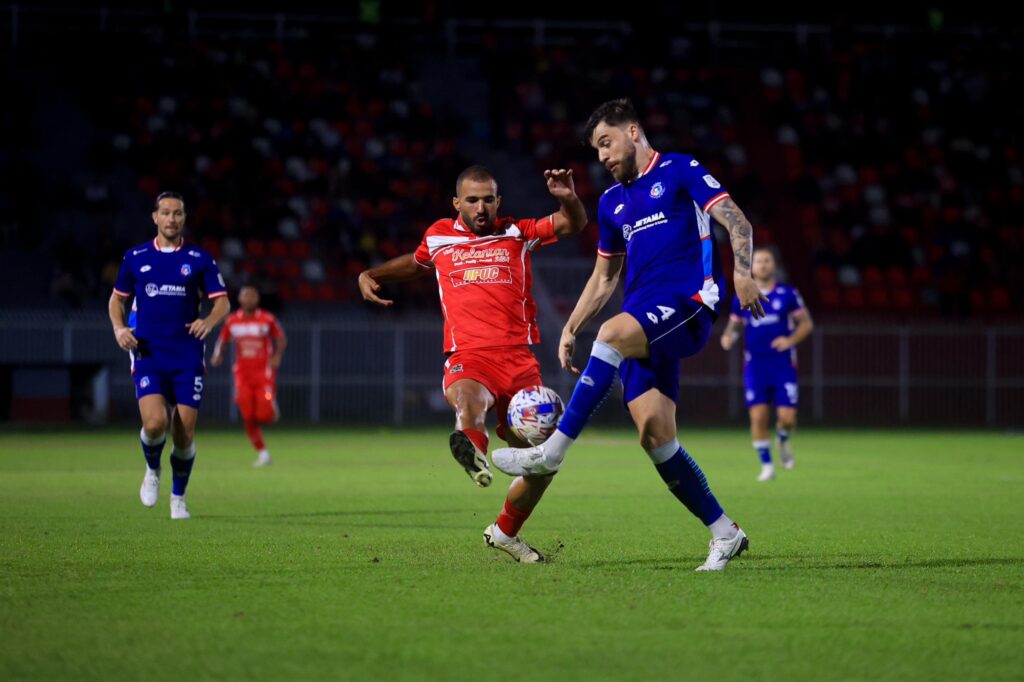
168 279
657 223
769 368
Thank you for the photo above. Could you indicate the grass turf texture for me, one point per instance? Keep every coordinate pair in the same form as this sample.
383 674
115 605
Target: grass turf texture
358 554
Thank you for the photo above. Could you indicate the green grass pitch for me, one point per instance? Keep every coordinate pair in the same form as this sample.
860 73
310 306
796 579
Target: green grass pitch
358 555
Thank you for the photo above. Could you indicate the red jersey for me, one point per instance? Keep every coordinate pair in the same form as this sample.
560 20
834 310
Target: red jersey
484 281
253 338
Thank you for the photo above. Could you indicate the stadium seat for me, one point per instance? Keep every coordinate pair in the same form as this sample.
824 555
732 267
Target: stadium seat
254 248
825 276
872 276
854 297
895 277
278 249
903 299
878 297
299 249
212 247
830 297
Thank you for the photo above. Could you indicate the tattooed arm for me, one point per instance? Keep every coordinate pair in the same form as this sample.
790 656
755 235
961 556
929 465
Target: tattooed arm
741 235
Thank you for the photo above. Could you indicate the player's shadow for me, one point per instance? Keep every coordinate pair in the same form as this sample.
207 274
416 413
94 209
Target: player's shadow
348 518
798 563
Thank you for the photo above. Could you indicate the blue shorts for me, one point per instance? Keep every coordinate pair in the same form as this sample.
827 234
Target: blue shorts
676 327
179 384
770 383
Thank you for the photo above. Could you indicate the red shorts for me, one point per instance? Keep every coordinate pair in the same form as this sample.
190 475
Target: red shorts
257 400
502 370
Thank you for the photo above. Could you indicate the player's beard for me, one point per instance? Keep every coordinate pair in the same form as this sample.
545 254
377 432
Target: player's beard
479 230
626 170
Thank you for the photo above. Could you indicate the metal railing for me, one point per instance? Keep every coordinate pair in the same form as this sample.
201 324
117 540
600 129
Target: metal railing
388 371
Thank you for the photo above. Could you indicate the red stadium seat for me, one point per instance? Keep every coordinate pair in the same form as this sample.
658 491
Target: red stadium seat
279 248
895 277
299 249
854 297
305 292
1000 300
829 297
212 247
325 292
254 248
872 276
825 276
878 297
903 299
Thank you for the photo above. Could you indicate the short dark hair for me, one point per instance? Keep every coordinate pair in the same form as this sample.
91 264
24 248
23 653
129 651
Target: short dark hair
613 112
478 173
168 195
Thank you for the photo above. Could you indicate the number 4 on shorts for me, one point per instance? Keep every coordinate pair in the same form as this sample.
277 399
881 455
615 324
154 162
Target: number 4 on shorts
666 313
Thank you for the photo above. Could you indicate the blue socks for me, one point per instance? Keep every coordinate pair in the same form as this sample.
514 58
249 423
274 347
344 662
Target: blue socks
151 449
181 465
686 481
782 435
764 450
591 389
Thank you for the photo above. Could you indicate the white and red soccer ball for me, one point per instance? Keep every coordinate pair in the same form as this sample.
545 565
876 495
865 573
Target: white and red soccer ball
533 413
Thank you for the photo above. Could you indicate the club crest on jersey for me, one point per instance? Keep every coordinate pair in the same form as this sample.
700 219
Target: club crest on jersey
618 209
455 369
186 270
657 190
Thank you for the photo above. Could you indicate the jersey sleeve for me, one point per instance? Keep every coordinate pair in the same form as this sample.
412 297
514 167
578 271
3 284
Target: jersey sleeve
213 281
796 301
276 331
701 185
124 286
610 242
540 231
225 333
736 312
422 253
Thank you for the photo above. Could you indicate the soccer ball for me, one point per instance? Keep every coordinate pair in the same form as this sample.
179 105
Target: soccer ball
534 412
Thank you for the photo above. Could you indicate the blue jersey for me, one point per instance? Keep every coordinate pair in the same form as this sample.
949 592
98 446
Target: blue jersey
783 301
660 223
168 287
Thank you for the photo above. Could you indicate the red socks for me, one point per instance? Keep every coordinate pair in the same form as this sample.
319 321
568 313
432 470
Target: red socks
478 438
511 519
252 429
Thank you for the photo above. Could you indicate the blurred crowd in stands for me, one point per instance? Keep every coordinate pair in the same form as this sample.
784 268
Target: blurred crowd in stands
886 170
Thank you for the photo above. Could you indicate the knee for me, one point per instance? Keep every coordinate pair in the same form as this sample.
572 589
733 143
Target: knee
787 422
155 426
610 334
471 412
653 436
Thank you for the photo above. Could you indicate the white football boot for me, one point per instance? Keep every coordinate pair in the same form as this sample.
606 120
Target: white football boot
178 510
767 472
150 488
263 459
721 550
516 548
786 455
470 458
523 461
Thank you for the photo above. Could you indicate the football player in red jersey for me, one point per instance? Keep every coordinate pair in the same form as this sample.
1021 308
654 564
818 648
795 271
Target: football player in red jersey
482 266
259 346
